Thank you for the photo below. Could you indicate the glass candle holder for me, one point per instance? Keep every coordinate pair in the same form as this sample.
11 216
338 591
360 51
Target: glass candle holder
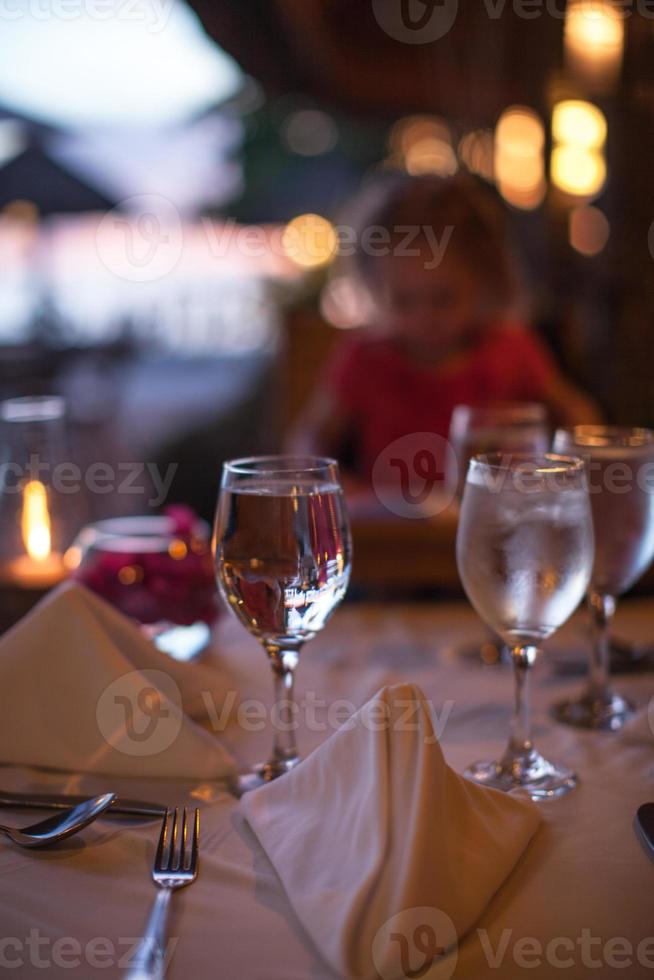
36 515
156 570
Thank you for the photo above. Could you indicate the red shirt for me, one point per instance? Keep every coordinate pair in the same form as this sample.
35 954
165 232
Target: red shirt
390 396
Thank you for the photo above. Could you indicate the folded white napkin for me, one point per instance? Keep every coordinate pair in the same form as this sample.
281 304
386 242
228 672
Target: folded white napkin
82 690
375 823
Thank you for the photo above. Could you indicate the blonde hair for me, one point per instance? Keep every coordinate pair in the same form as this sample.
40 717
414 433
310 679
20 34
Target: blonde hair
477 222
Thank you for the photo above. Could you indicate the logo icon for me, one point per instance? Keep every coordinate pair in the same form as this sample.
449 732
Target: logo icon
416 21
416 944
416 476
142 240
140 713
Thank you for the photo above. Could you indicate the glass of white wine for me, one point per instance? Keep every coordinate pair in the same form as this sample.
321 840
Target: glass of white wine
621 479
283 550
525 553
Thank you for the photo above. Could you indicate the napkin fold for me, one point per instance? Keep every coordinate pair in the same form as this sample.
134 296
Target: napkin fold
82 690
375 823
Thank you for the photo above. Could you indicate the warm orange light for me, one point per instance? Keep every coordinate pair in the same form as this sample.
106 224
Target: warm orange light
310 241
589 230
579 131
519 159
477 151
579 123
35 522
413 129
578 171
177 549
594 38
431 156
423 145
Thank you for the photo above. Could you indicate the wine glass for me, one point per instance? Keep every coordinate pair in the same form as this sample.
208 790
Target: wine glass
621 476
492 428
525 552
283 553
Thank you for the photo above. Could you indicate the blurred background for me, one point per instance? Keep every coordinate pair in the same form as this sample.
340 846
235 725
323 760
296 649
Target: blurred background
171 174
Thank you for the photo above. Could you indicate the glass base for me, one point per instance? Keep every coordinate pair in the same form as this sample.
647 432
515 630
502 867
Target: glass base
601 714
543 780
261 774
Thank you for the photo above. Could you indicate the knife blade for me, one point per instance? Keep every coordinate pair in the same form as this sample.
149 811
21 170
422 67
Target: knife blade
645 825
61 801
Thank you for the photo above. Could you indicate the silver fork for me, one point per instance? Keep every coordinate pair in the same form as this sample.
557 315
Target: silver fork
175 865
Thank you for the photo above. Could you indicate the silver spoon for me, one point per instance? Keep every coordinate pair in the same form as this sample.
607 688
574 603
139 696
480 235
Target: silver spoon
54 829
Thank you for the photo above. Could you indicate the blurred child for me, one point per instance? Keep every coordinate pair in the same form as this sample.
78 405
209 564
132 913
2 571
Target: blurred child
434 258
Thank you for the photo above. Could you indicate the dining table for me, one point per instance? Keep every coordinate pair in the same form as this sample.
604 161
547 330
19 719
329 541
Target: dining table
579 903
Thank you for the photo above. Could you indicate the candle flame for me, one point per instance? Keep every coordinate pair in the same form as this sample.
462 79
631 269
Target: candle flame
35 524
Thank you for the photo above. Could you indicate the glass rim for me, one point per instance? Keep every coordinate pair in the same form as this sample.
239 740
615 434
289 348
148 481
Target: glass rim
33 408
140 533
527 412
606 436
561 462
280 464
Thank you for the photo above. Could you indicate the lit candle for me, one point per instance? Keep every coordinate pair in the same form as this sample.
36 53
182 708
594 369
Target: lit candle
40 567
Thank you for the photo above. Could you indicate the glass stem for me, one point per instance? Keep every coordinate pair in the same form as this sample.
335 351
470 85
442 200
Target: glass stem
520 744
602 608
284 663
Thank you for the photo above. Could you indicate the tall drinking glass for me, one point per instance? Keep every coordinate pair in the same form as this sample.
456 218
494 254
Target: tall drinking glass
525 552
499 427
283 552
621 482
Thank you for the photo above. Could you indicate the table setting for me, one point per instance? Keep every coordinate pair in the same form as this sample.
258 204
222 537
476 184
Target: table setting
371 843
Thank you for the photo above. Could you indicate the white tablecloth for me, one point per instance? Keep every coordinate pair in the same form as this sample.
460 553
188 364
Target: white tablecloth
579 903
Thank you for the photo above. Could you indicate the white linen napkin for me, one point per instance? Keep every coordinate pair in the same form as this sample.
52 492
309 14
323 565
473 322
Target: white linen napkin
375 823
82 690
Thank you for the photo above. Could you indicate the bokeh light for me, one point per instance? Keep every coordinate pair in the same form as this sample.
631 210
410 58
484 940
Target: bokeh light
594 39
519 157
310 241
578 171
310 132
477 152
431 156
588 230
423 145
345 304
579 131
579 123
